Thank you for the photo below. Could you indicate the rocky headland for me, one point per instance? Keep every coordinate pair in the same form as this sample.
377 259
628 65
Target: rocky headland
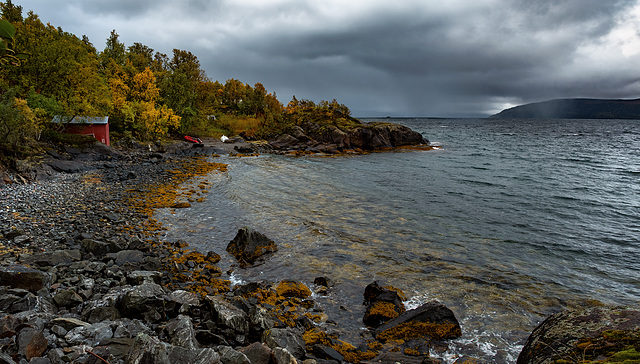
85 276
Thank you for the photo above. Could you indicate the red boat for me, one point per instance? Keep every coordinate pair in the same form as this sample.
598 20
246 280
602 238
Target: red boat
192 139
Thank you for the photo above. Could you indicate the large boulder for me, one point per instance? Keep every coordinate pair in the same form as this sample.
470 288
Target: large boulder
248 245
592 333
17 276
382 304
431 321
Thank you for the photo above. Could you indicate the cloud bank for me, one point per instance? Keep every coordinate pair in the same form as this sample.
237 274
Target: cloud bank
408 58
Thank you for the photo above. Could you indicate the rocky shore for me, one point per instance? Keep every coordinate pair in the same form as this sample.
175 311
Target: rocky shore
85 277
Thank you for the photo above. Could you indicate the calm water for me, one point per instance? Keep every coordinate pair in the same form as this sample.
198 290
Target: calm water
510 221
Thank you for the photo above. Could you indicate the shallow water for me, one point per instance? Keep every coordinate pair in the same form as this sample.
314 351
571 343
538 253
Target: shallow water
510 221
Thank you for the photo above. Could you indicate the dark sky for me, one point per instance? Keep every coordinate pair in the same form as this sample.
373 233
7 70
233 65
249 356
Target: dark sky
452 58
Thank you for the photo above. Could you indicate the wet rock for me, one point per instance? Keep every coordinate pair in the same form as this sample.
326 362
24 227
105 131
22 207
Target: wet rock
325 352
557 336
17 276
431 321
248 245
289 288
382 304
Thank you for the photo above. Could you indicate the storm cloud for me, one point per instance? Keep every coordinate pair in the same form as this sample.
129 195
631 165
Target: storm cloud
427 58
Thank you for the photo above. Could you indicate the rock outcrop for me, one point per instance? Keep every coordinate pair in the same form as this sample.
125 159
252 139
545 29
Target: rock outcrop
317 138
593 333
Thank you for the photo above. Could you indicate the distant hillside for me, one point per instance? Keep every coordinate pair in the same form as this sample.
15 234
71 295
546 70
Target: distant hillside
575 109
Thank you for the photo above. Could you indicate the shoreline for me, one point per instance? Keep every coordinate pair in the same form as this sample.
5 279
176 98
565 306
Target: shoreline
108 280
57 227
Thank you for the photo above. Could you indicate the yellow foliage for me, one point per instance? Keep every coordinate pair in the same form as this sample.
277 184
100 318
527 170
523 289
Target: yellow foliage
144 87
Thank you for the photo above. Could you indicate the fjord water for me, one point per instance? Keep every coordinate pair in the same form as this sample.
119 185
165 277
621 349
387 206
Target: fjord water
510 221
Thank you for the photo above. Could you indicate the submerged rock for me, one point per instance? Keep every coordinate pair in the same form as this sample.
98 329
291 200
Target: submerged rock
248 245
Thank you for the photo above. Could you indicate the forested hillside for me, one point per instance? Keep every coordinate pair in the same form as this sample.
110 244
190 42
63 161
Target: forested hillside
147 95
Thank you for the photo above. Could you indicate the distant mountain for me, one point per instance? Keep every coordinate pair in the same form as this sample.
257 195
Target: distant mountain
575 109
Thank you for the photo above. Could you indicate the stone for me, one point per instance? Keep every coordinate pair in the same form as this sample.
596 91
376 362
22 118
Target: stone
230 356
283 356
148 349
248 245
8 326
6 359
36 346
258 353
129 256
287 338
89 334
325 352
97 248
228 315
140 276
68 166
382 304
67 297
557 336
180 331
183 297
18 276
431 321
144 298
104 313
289 288
68 323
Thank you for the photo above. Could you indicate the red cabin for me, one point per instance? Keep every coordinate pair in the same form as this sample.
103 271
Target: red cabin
98 127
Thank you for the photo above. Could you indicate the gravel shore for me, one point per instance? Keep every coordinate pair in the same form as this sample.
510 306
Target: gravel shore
84 277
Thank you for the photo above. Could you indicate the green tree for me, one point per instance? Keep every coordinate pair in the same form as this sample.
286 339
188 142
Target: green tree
11 13
114 50
60 66
140 56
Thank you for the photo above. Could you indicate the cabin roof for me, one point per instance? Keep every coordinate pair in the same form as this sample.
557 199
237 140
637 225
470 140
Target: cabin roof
82 119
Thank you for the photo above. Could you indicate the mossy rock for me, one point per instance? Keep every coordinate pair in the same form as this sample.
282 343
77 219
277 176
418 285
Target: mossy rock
289 288
608 333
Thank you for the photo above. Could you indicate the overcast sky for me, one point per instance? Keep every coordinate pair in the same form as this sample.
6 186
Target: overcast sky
380 57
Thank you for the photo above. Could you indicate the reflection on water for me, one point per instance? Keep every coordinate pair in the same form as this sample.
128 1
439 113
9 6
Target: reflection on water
502 236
